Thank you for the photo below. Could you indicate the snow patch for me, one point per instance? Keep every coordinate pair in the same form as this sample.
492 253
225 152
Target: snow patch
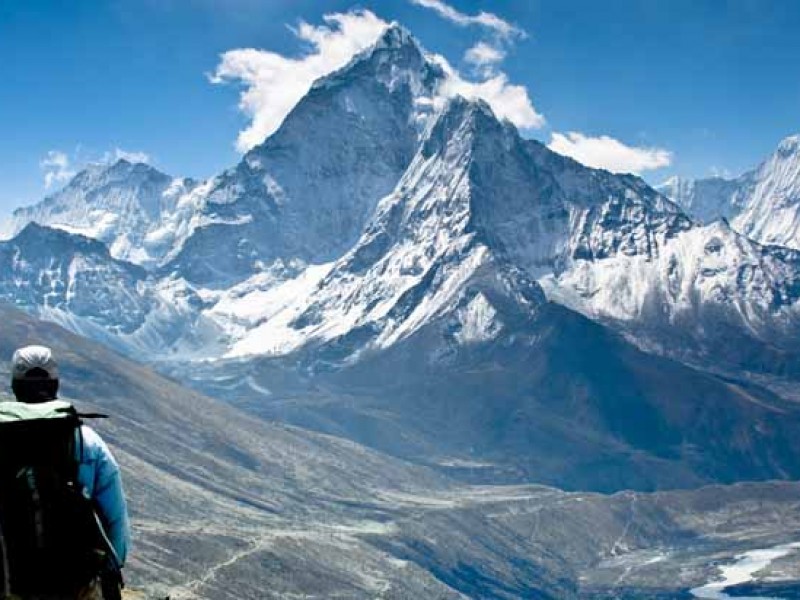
270 310
478 321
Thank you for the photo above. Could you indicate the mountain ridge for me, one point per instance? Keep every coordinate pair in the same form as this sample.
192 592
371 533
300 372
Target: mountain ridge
375 219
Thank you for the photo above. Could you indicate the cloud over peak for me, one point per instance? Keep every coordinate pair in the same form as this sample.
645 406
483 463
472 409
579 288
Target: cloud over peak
57 168
274 84
605 152
508 101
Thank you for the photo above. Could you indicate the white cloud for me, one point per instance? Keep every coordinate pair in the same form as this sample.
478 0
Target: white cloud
133 157
57 168
605 152
508 101
484 19
484 55
273 83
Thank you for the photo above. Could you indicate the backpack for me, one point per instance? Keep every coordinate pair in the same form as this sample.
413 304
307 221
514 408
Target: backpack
50 539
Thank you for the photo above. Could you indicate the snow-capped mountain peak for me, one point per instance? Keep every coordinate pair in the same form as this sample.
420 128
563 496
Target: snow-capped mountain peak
782 169
396 58
790 146
307 191
771 205
473 206
121 176
397 36
763 203
122 205
414 262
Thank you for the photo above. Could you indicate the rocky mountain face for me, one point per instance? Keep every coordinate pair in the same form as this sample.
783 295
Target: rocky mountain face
58 271
306 192
607 246
707 200
73 280
711 297
763 204
136 210
475 194
384 267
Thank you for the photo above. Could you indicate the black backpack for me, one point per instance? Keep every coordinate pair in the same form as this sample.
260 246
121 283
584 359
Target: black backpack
51 541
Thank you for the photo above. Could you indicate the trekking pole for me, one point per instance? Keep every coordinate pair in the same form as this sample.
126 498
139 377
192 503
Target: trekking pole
111 580
111 584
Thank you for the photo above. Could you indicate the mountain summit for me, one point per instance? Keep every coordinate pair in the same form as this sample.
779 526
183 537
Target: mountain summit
307 191
771 200
132 207
764 204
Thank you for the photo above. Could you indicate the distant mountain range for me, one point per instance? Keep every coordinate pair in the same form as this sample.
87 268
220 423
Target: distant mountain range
410 273
763 204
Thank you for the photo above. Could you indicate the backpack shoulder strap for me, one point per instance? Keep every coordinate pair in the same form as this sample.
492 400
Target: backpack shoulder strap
11 412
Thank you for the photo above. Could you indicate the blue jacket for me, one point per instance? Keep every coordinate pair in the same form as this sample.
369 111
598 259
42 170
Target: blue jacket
99 475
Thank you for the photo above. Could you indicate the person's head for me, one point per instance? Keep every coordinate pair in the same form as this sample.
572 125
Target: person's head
34 374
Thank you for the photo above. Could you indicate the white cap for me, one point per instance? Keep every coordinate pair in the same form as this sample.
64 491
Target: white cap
33 357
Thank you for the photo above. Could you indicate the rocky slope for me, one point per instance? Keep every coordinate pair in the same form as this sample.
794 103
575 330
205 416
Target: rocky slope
73 280
226 506
209 486
711 297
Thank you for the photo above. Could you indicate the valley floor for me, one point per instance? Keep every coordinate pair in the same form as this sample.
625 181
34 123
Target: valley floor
487 542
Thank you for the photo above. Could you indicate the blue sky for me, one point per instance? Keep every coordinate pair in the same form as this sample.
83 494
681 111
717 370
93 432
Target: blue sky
708 86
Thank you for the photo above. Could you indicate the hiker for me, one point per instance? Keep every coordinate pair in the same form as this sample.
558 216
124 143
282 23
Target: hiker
67 495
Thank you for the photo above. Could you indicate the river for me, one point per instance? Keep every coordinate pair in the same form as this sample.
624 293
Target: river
742 571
